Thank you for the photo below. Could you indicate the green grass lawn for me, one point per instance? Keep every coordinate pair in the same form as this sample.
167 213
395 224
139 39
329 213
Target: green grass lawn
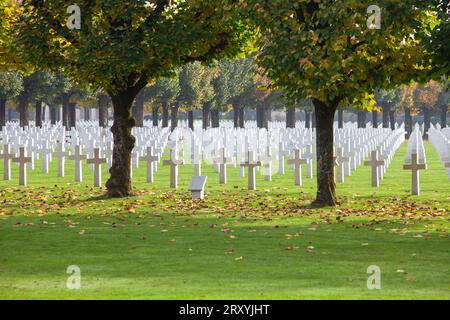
237 244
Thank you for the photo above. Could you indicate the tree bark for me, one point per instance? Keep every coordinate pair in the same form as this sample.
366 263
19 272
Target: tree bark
119 183
87 114
267 115
362 117
241 117
103 110
138 109
72 115
236 115
408 122
155 115
259 115
215 118
65 111
53 110
443 117
427 122
290 118
313 120
386 115
206 115
38 110
2 113
340 118
326 187
165 114
392 119
191 119
174 116
23 112
307 120
375 118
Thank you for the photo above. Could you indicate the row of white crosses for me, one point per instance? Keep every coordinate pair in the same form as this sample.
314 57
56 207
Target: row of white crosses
440 139
415 159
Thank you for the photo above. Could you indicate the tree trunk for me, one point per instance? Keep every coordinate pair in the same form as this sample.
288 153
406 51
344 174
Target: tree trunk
386 115
65 111
236 115
313 120
362 117
155 115
326 187
53 110
241 118
307 120
72 115
206 115
191 119
86 114
392 119
259 115
290 118
427 122
138 109
165 114
408 122
103 111
375 118
267 115
340 118
23 112
215 118
174 116
119 183
38 110
2 113
44 110
443 117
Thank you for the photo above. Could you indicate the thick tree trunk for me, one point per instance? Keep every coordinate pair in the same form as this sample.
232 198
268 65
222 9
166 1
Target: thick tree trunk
2 113
236 115
408 122
443 117
340 118
38 110
215 118
191 119
427 122
386 115
174 116
23 112
307 120
362 117
165 114
241 117
138 109
375 118
103 111
53 110
392 119
290 118
119 183
206 115
155 109
72 115
326 187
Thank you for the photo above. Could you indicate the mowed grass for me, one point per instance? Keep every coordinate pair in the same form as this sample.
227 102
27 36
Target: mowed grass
237 244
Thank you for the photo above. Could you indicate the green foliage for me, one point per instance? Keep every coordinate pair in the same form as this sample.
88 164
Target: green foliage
323 49
122 44
163 90
10 84
36 86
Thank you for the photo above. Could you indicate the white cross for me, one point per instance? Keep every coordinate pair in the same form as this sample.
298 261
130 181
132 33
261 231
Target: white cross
97 162
77 158
61 156
22 159
251 164
297 161
173 162
341 160
7 156
374 162
149 158
415 167
45 152
222 161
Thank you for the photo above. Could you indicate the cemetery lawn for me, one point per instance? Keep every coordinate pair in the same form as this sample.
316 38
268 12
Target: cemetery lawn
237 244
